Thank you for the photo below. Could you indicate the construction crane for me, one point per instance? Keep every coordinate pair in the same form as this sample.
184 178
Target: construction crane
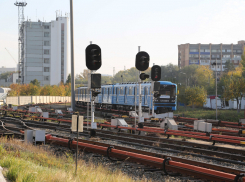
11 55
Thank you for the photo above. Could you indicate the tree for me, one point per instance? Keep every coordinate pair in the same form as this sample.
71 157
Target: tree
234 86
169 73
68 80
5 75
129 75
46 90
15 89
195 96
187 75
106 80
35 82
204 76
229 66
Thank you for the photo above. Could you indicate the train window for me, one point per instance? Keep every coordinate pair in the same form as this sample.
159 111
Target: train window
130 91
168 91
117 91
135 90
146 91
121 91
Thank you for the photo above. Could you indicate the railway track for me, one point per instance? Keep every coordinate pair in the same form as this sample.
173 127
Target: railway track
169 164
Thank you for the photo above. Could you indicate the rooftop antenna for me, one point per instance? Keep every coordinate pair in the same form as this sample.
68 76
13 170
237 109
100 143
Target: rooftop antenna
21 19
36 14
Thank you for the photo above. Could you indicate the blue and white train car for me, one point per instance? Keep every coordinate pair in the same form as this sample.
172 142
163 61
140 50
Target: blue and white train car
124 95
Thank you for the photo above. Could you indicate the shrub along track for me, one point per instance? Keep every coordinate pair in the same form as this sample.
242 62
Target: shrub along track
175 164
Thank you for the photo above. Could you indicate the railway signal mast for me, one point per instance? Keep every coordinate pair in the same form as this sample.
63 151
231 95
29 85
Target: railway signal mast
93 63
155 76
141 63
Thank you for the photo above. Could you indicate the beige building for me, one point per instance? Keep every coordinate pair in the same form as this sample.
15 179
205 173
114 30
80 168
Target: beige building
206 54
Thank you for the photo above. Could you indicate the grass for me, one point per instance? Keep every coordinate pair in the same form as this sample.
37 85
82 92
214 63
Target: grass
27 163
223 115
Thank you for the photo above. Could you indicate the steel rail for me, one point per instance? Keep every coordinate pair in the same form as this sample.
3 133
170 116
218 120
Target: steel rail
153 161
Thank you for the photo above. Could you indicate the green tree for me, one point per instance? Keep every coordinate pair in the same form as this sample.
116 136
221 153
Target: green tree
187 75
5 75
35 82
204 77
234 86
229 66
169 73
68 80
106 80
195 96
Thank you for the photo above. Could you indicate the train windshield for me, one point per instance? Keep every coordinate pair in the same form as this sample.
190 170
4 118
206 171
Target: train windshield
167 91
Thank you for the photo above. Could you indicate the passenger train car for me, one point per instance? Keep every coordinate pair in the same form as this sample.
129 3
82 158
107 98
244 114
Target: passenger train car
122 96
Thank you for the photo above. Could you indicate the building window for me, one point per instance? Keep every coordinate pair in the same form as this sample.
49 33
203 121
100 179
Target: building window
46 60
204 56
46 51
193 50
46 43
46 27
46 78
239 51
46 34
204 50
46 69
226 50
193 55
215 56
226 56
237 56
194 61
215 50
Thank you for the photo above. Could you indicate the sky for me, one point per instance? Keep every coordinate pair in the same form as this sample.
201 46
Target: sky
120 26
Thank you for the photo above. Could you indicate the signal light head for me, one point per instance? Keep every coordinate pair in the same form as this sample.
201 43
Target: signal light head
142 61
143 76
93 57
156 73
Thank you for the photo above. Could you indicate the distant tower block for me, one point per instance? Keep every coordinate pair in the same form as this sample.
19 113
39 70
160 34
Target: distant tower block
113 71
21 19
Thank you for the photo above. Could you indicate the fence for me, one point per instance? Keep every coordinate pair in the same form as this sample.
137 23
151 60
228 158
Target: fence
22 100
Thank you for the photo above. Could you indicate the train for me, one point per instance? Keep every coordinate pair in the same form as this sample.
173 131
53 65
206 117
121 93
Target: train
123 96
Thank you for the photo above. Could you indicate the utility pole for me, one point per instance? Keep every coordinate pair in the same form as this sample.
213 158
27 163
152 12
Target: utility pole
140 98
216 86
72 59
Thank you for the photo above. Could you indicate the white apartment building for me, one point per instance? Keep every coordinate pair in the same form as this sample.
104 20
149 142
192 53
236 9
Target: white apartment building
46 55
